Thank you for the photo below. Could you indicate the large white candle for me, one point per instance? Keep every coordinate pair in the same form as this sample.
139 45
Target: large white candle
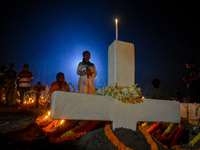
116 23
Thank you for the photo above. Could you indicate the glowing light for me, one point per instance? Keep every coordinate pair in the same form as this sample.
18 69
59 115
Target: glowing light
62 121
47 115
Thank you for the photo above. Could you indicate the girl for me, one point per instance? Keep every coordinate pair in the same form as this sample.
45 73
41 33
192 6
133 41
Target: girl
87 72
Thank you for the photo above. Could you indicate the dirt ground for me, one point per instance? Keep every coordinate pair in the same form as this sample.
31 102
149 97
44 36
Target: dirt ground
19 131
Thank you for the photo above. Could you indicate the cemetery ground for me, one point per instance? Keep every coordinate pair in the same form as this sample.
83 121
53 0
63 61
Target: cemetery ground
18 130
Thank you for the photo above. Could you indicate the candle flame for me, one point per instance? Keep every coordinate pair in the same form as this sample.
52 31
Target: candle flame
116 21
62 121
47 115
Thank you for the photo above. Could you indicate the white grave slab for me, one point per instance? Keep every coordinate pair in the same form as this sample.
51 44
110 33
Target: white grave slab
121 63
192 110
77 106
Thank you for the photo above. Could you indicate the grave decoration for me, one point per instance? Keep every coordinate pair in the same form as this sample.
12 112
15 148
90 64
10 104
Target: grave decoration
71 130
111 136
125 94
169 135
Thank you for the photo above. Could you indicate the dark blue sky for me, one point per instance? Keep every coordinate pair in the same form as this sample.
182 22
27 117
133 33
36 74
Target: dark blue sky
51 35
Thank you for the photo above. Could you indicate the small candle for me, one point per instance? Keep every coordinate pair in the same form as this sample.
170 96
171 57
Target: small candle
116 23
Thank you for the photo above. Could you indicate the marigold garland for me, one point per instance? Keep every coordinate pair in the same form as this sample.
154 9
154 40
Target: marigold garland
44 120
176 147
165 146
109 133
45 116
67 133
76 129
86 126
64 138
154 127
74 136
69 124
52 126
148 137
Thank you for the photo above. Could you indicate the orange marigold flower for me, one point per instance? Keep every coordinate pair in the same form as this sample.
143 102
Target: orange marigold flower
113 138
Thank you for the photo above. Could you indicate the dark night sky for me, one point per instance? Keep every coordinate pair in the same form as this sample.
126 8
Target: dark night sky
51 35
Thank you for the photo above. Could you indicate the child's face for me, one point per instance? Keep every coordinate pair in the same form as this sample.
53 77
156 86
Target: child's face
86 57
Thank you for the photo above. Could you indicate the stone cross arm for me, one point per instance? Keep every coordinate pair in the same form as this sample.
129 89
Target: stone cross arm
77 106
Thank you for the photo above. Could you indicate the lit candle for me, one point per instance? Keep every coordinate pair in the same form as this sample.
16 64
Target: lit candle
116 23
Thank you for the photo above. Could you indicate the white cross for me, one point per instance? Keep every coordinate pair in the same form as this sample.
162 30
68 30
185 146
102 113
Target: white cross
121 70
77 106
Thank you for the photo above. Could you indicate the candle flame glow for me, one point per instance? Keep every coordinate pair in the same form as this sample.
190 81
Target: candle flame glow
62 121
116 21
47 115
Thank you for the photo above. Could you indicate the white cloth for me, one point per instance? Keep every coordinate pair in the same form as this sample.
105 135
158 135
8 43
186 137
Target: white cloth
86 83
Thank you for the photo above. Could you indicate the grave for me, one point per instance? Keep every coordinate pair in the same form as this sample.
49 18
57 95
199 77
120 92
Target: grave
193 110
78 106
121 65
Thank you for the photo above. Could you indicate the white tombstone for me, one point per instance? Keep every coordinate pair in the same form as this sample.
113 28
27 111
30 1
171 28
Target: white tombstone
121 63
78 106
194 111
